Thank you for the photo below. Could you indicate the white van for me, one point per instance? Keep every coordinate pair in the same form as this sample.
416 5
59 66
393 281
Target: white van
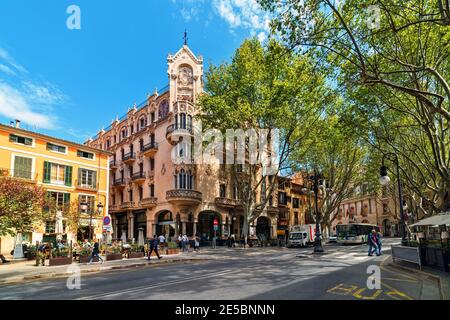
301 235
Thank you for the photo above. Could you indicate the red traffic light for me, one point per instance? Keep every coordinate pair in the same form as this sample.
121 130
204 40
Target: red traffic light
216 222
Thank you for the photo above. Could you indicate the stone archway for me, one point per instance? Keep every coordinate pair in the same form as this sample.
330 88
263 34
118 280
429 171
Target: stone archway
263 228
165 224
205 225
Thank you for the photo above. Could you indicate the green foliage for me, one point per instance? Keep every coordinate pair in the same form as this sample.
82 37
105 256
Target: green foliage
172 245
21 206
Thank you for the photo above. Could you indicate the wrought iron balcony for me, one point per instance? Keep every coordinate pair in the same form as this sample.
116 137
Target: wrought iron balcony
176 133
128 205
138 177
121 182
150 149
129 157
113 164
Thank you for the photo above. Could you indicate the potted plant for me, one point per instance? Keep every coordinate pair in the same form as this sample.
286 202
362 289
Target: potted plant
114 253
172 248
85 255
60 257
136 251
30 253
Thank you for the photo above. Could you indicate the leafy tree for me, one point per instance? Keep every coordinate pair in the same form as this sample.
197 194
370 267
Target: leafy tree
336 151
394 72
21 206
263 87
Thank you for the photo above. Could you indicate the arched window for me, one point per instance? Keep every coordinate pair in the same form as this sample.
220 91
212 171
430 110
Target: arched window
190 180
183 120
189 122
175 180
123 134
182 179
163 110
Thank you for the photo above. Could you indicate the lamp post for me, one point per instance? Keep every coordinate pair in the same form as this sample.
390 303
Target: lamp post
84 207
385 180
315 179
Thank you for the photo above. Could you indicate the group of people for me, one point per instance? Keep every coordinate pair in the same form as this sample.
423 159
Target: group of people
375 242
184 243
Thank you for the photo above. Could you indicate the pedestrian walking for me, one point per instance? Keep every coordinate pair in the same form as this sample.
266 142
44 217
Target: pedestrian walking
180 241
162 241
95 253
214 240
184 243
196 243
154 247
372 241
379 242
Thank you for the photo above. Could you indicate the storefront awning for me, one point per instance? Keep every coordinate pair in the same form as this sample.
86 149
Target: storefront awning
437 220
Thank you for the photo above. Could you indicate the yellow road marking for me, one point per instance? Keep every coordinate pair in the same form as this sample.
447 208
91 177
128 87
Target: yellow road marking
395 292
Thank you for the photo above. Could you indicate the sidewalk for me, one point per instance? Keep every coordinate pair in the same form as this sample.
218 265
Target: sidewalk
26 270
441 277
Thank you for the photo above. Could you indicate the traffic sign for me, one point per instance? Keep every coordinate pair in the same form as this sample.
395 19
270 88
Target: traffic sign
106 221
216 227
216 221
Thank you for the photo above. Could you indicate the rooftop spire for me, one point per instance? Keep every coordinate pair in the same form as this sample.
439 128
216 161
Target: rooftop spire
185 37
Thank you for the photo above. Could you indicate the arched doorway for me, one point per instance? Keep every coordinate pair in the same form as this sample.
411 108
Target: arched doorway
205 227
165 224
263 228
386 228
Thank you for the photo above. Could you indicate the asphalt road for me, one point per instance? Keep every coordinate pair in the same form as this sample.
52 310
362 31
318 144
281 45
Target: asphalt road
262 273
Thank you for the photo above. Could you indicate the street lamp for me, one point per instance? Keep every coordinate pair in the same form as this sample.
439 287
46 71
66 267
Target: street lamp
99 210
316 178
385 180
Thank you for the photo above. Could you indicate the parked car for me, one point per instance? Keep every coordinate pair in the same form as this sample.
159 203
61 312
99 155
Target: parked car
332 238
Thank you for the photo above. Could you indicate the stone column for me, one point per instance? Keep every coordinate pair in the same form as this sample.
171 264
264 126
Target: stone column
130 225
195 227
222 228
150 229
115 223
183 227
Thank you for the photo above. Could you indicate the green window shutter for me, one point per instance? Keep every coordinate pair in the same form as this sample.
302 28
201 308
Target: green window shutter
47 171
66 198
68 177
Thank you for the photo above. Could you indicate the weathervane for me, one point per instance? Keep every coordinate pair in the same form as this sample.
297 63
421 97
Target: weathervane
185 38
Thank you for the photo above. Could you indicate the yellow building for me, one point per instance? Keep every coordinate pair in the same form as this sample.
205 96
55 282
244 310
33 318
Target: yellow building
69 172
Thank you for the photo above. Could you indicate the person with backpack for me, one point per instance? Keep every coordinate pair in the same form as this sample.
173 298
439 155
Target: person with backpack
154 247
95 253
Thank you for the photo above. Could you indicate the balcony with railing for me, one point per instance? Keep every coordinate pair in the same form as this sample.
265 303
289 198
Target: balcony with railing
225 202
129 157
148 202
24 175
184 196
113 164
82 185
177 132
121 183
128 205
150 149
138 177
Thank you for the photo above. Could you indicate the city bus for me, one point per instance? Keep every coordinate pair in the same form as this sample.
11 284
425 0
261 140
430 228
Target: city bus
354 233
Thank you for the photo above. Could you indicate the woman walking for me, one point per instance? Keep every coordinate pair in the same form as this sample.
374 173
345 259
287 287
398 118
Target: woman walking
95 253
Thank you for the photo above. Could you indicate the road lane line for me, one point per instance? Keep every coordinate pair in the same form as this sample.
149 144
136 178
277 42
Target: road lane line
134 290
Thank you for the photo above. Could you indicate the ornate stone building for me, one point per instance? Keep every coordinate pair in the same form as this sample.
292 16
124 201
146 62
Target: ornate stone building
151 193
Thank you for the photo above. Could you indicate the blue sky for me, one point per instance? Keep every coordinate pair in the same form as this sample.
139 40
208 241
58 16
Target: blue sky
70 83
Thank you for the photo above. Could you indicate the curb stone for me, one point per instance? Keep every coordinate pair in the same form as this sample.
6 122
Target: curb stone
18 279
429 275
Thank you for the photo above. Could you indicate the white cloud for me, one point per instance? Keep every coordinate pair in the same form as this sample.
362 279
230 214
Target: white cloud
24 98
14 105
246 14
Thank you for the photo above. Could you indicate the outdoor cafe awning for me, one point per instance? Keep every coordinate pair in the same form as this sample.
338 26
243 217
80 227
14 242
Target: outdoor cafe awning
437 220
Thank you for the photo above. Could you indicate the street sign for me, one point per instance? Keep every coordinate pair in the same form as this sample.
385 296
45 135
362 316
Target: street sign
107 228
216 227
106 221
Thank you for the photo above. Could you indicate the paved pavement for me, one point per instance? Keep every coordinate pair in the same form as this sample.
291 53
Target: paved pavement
255 273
